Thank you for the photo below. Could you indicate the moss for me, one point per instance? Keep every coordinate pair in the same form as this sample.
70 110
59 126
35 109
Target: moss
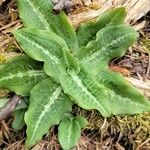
12 48
146 44
2 58
133 129
136 127
3 93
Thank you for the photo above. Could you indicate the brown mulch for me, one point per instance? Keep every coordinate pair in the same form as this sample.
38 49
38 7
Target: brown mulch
9 21
116 133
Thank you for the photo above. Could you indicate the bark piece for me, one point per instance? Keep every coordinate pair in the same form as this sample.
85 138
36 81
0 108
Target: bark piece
62 5
9 107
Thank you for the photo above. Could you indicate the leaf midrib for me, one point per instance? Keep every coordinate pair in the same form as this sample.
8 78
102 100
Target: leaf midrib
39 14
29 73
84 89
45 51
97 53
69 135
47 107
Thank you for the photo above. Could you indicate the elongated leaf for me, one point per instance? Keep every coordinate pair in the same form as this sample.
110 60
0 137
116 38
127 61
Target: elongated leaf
18 122
33 15
128 99
20 74
38 14
43 46
117 82
86 91
91 94
47 106
111 42
69 132
87 31
126 106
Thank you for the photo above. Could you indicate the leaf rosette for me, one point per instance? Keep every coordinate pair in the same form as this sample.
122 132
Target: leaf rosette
66 67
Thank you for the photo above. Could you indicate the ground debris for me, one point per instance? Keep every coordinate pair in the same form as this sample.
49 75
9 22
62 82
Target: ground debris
60 5
9 21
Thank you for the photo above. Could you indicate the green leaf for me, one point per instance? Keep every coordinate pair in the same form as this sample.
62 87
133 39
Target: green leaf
3 102
69 132
125 106
128 99
38 14
43 46
18 122
111 42
33 15
47 106
91 94
82 121
86 91
87 31
118 83
69 63
20 74
21 105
